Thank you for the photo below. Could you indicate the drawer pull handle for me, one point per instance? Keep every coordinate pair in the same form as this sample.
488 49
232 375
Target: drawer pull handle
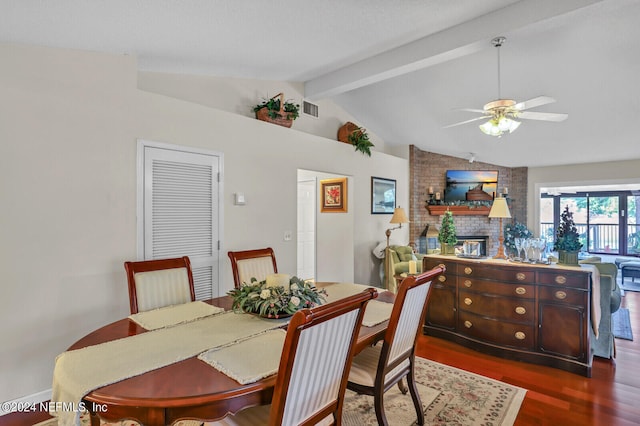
468 270
467 283
468 324
520 335
521 290
442 278
561 295
520 310
441 265
561 279
468 301
520 276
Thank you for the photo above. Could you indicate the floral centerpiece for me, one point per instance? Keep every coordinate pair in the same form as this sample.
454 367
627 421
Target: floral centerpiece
513 231
276 301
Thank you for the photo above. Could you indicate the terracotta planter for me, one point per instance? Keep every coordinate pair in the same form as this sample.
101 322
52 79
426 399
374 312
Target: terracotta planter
568 257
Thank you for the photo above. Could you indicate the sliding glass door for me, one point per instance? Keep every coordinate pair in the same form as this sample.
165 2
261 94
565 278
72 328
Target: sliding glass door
606 221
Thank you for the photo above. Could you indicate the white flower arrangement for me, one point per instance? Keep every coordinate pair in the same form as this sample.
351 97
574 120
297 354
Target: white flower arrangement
276 301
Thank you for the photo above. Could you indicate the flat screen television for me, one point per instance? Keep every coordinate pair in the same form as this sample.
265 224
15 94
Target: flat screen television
471 185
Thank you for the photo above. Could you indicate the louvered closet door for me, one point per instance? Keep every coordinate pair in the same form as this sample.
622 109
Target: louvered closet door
181 212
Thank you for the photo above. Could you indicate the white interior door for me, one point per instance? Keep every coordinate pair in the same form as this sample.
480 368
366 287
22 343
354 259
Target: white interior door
306 265
179 199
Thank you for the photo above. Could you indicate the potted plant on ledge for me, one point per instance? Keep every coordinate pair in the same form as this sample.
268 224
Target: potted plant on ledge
356 136
447 234
277 111
567 241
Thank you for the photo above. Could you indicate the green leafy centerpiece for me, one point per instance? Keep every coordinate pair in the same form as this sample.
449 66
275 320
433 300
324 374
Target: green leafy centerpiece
272 298
567 242
447 234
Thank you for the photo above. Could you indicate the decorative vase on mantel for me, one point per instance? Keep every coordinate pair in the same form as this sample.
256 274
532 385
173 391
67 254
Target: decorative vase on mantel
568 257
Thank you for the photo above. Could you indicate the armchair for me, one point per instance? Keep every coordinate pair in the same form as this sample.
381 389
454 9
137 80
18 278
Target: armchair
610 299
397 258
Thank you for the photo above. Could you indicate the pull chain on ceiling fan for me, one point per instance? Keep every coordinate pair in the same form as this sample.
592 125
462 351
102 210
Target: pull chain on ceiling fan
501 114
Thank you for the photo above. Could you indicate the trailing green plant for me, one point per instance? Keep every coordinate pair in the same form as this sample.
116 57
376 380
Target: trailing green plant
447 233
292 111
567 237
360 139
276 301
513 231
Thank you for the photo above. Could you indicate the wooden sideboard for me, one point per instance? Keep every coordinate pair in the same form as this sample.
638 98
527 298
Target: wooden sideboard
532 313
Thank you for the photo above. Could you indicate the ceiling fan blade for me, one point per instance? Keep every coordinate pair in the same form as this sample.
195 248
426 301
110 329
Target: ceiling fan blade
545 116
535 102
466 121
471 110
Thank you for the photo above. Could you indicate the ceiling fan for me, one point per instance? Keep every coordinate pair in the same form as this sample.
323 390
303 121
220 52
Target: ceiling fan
501 114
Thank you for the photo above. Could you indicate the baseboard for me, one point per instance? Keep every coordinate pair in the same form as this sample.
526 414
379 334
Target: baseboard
19 404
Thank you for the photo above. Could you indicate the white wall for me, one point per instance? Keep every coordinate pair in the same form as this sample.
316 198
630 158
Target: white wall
69 122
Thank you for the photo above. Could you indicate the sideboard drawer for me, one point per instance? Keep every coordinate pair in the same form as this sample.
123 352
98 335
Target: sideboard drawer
563 295
511 274
524 291
500 308
562 279
519 336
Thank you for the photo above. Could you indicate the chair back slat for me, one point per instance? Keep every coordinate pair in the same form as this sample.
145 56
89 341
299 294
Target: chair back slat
249 264
159 282
314 369
406 317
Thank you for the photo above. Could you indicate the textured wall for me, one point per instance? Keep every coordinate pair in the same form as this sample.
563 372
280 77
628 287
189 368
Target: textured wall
429 169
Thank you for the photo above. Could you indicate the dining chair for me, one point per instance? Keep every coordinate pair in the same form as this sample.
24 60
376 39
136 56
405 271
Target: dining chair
157 283
314 367
249 264
377 368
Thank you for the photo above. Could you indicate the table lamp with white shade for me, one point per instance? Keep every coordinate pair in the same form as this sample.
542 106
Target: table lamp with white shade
500 210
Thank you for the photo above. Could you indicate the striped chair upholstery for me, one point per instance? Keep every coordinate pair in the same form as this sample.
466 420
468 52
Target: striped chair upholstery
157 283
252 264
379 367
313 368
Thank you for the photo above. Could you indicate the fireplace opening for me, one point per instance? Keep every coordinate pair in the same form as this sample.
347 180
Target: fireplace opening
481 239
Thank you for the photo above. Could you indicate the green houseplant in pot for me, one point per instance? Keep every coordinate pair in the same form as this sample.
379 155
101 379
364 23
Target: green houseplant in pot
567 241
447 234
278 111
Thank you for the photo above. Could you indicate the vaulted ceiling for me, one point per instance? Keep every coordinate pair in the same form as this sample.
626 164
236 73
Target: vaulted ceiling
401 68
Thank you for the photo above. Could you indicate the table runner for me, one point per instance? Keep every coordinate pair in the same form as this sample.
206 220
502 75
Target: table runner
173 315
250 360
80 371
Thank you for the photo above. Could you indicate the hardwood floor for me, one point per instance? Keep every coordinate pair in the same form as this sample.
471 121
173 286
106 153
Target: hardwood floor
610 397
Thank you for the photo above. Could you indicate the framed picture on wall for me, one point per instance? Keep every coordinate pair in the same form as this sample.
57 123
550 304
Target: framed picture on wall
333 193
383 195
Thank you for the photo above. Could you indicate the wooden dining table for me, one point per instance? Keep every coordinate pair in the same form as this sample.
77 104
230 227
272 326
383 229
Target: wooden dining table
189 389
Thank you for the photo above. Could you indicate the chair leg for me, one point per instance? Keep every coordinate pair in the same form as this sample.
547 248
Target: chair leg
379 406
402 387
413 390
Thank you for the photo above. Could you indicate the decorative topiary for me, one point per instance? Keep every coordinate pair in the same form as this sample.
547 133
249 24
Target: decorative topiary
567 239
513 231
447 233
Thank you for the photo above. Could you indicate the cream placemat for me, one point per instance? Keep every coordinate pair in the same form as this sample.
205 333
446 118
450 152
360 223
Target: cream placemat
173 315
250 360
78 372
376 311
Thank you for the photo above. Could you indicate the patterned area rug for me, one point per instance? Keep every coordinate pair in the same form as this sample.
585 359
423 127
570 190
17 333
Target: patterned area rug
622 324
449 396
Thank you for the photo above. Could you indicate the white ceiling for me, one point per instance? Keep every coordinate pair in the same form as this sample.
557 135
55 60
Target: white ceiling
401 67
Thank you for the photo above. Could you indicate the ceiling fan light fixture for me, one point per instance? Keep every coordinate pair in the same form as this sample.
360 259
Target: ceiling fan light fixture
499 125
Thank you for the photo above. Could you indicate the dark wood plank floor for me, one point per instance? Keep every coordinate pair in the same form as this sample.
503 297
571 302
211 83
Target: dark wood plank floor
610 397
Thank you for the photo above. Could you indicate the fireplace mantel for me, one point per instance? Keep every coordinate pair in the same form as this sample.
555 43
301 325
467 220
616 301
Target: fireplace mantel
458 210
